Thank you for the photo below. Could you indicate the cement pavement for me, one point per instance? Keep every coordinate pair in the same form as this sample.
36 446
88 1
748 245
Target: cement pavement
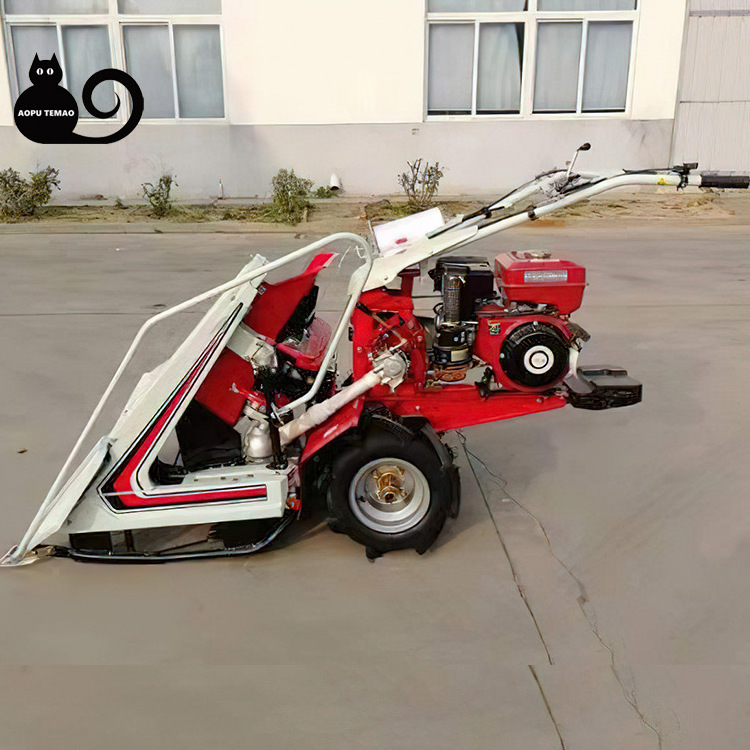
593 592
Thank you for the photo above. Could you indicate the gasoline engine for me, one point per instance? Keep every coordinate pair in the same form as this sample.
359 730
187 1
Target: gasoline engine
514 319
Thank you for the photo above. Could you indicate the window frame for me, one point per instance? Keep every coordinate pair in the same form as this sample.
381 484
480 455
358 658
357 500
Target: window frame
531 18
476 23
115 22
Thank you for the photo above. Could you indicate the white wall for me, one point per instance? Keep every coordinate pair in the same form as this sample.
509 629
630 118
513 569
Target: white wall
658 59
480 158
296 62
338 85
330 61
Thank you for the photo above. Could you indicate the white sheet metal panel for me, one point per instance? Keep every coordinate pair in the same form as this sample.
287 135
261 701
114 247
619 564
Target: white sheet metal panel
713 116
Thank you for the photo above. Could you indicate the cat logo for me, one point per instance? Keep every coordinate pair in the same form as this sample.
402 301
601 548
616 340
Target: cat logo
48 113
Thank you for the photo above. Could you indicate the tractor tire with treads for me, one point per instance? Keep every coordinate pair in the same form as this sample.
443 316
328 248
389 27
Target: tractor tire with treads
392 487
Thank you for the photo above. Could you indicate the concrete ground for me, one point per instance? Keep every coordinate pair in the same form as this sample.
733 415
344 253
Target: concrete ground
593 593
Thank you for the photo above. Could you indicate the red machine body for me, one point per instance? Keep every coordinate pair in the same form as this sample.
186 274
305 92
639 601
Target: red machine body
519 303
385 318
231 382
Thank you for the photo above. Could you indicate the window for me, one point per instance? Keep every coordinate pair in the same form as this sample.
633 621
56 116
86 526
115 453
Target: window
597 5
475 68
197 52
529 57
172 48
600 84
169 7
468 6
58 7
86 50
148 60
189 86
558 59
605 82
81 51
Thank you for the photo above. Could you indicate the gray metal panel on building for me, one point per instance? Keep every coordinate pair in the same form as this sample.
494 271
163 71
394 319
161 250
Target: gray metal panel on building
713 117
708 6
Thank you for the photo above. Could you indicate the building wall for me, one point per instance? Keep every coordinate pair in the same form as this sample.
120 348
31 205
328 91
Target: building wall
658 59
292 62
713 117
339 86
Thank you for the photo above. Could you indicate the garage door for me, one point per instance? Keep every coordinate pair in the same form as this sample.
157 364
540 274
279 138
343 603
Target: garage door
713 115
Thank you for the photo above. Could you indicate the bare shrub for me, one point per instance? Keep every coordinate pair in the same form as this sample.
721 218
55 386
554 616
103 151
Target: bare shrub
20 197
421 183
290 193
159 195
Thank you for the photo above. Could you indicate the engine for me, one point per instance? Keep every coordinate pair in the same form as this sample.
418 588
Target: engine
514 319
464 283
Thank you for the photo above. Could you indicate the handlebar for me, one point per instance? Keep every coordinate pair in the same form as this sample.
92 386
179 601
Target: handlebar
726 181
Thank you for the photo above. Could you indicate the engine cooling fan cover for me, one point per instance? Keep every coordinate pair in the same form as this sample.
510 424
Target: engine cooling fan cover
534 355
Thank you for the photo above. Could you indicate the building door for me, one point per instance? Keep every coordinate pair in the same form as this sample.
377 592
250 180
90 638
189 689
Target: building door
712 125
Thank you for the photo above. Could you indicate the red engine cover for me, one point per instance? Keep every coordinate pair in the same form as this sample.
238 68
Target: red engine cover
527 277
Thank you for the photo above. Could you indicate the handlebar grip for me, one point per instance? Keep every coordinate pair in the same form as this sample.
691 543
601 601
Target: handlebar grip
726 181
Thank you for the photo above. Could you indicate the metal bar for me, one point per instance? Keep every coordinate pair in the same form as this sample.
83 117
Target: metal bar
165 557
356 286
387 268
625 180
582 64
475 70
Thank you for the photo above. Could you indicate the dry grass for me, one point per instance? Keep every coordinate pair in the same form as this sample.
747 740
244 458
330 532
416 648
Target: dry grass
338 215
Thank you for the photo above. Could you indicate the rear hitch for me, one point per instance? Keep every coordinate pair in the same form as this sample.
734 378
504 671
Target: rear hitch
603 387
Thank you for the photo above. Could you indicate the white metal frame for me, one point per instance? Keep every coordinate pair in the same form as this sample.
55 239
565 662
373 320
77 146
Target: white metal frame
115 22
387 268
531 19
61 497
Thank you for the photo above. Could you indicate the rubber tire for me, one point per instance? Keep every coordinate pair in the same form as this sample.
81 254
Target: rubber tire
353 452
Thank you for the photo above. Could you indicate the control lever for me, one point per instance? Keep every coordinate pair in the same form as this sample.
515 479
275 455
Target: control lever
584 147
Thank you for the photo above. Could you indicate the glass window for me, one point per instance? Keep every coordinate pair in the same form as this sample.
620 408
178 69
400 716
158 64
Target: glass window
587 4
605 86
178 66
500 63
170 7
86 52
29 41
474 6
475 61
557 67
200 86
148 60
55 7
451 68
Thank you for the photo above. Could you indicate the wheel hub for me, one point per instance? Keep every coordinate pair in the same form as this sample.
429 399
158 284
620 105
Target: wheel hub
389 484
389 495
